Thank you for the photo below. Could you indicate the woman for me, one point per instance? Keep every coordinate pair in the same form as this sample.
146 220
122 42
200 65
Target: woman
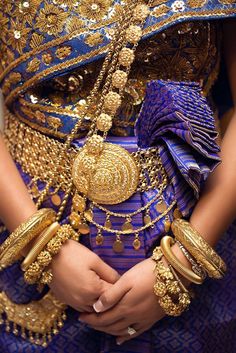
54 78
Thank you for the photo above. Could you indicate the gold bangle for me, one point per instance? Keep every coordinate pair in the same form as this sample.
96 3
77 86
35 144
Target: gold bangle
45 237
168 285
35 271
199 248
166 243
11 248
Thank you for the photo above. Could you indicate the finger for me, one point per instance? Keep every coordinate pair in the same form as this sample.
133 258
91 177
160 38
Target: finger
119 328
127 337
112 296
100 320
106 272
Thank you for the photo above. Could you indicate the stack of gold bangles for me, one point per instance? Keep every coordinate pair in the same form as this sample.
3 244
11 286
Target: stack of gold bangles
172 295
48 238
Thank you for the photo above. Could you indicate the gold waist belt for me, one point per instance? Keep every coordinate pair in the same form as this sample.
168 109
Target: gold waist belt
37 155
35 152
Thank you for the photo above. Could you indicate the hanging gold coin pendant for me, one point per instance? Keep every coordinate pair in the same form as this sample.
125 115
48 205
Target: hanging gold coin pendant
161 207
118 246
84 229
167 225
136 244
99 239
127 226
177 213
108 224
147 219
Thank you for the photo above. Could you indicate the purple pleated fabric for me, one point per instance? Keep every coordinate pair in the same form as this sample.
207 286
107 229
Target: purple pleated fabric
176 118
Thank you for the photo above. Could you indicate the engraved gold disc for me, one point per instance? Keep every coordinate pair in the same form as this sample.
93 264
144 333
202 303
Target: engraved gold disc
114 180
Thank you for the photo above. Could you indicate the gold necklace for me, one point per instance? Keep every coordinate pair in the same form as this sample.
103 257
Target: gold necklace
103 172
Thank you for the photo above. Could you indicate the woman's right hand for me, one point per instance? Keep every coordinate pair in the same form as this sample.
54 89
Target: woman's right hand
80 276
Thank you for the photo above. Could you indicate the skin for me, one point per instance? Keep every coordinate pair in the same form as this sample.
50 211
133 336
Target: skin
91 280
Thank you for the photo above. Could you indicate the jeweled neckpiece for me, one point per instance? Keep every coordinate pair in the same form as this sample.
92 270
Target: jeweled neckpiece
103 172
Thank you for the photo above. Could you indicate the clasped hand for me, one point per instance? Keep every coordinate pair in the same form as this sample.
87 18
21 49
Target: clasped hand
108 302
130 302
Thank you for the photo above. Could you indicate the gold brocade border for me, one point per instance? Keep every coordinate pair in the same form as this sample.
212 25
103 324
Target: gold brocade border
37 320
44 130
177 16
51 70
50 109
54 42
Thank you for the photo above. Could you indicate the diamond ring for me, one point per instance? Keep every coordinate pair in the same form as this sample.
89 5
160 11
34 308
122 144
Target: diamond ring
131 331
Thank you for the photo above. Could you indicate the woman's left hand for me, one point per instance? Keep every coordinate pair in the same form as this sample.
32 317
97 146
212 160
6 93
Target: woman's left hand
130 302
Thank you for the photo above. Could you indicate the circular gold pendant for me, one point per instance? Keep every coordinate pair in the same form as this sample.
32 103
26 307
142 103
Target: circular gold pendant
114 180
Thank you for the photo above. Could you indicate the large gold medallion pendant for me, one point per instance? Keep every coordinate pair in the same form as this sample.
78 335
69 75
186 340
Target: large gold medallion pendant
114 177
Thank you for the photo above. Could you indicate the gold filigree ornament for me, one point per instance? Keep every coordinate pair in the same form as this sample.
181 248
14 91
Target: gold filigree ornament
115 177
38 320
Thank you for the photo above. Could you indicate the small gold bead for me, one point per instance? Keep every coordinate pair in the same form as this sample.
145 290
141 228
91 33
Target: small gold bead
44 258
126 57
95 144
34 269
112 101
46 277
119 79
141 12
159 289
133 34
54 245
104 122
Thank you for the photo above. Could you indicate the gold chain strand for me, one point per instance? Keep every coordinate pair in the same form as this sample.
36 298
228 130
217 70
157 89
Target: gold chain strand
77 125
64 201
132 214
126 232
112 68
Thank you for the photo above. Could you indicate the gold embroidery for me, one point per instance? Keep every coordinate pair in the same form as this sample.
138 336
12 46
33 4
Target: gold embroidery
47 58
160 10
51 19
74 24
17 36
33 65
194 4
55 123
26 11
51 70
63 52
36 40
94 9
227 2
94 39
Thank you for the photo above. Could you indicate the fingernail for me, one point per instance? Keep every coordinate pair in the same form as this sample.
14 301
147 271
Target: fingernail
98 306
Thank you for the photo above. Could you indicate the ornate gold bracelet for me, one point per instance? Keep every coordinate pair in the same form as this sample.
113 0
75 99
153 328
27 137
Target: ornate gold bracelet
36 271
166 243
172 297
45 237
199 248
10 250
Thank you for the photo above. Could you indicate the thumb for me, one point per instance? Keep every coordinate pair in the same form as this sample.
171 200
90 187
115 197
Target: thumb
111 296
106 272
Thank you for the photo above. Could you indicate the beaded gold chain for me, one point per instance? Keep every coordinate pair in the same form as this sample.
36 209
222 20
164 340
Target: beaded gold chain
102 172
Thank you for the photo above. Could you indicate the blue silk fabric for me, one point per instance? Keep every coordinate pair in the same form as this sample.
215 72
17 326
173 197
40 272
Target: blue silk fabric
175 118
